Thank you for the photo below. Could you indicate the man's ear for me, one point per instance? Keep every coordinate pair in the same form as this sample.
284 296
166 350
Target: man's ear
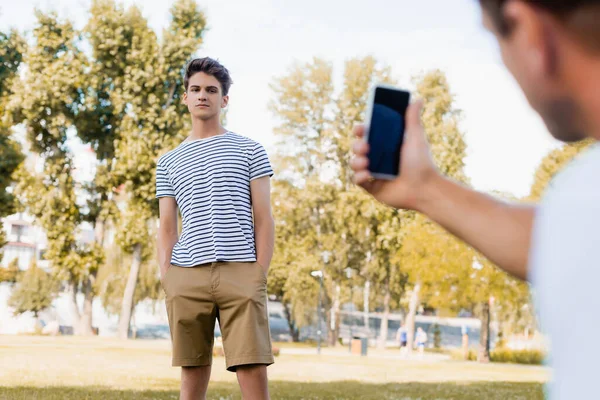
225 101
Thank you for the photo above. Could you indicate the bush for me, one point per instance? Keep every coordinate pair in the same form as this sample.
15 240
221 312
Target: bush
11 273
35 290
529 357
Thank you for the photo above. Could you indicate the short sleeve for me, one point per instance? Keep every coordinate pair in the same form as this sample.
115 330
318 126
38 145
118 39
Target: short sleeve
259 163
163 184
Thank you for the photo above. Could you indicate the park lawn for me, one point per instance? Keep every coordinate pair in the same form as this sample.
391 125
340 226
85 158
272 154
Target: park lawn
98 368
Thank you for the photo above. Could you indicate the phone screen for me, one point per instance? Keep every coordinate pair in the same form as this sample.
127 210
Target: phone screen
386 131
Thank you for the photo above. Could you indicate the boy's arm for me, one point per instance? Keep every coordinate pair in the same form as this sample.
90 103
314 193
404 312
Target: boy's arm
167 233
264 225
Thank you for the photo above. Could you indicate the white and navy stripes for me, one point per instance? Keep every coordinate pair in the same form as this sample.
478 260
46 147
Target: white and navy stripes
210 180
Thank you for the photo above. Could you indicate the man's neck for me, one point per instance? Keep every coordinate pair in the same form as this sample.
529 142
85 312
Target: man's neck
205 129
589 98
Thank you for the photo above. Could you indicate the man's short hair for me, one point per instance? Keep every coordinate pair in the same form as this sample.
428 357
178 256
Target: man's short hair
579 16
210 67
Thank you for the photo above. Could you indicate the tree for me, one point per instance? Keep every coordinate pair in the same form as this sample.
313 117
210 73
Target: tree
301 105
35 290
313 156
113 278
47 101
11 273
456 277
12 47
367 243
448 148
154 120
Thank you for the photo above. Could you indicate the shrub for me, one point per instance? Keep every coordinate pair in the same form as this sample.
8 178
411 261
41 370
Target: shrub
11 273
35 290
529 357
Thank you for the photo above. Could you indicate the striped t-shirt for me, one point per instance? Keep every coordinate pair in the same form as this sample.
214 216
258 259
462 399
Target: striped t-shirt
210 180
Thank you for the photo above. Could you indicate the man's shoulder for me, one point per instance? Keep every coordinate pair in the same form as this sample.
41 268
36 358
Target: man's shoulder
580 176
575 191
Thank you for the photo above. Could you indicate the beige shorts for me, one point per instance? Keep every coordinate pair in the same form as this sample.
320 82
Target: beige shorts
233 293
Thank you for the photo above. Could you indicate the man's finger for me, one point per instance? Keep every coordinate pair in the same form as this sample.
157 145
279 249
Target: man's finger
360 148
359 163
359 131
363 178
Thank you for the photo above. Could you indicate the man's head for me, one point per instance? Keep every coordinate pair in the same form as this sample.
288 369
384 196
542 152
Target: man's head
207 84
548 45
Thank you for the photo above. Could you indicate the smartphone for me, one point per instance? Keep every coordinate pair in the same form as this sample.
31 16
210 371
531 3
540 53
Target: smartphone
384 129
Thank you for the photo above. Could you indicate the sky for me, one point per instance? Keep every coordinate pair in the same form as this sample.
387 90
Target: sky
259 40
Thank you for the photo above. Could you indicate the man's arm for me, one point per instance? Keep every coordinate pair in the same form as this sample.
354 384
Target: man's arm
264 226
167 233
500 231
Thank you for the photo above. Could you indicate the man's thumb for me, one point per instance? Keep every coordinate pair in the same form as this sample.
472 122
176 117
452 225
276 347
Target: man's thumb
413 115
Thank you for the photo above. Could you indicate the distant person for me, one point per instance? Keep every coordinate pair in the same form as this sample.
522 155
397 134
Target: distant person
402 337
552 48
217 268
420 340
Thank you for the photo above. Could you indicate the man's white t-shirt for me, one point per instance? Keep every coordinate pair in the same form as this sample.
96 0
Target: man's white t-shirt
565 273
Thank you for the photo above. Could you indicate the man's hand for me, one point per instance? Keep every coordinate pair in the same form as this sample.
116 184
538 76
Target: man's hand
417 169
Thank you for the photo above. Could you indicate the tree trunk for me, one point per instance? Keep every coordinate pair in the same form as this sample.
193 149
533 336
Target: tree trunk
334 327
86 328
366 308
99 230
484 343
127 305
74 307
410 319
294 331
82 321
383 333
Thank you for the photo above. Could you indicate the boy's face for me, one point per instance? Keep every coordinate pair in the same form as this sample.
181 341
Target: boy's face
204 96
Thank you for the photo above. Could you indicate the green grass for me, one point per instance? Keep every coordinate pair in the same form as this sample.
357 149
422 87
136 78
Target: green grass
296 390
96 368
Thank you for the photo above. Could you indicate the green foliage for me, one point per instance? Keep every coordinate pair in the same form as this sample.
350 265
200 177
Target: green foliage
528 357
505 355
11 272
113 278
35 290
47 100
553 163
441 119
12 47
123 99
314 135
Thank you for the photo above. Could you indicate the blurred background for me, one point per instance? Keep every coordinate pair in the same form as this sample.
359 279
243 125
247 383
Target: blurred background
90 95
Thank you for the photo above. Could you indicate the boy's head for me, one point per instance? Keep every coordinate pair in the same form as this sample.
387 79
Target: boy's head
550 46
207 84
